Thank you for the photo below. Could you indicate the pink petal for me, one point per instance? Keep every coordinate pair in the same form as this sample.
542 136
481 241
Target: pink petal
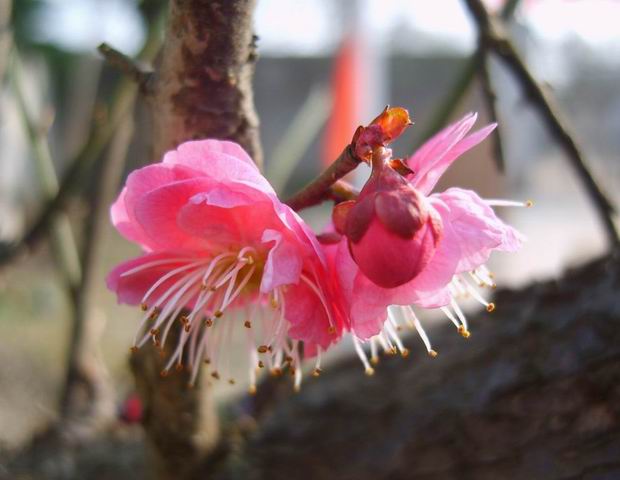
238 225
158 210
434 157
479 230
130 288
220 160
308 318
283 264
138 184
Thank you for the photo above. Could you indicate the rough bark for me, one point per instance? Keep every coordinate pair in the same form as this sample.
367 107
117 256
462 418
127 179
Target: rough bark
202 85
533 394
200 88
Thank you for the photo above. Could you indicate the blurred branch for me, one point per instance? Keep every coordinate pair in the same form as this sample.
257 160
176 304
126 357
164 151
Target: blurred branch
63 242
6 39
87 394
534 395
297 137
120 105
490 99
494 39
127 65
464 79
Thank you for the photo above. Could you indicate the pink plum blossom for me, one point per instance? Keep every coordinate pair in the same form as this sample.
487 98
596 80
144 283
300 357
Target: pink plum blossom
470 232
216 239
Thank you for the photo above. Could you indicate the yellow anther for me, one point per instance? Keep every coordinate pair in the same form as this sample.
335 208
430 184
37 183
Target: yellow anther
288 359
215 375
231 381
490 307
374 360
261 364
263 349
218 314
316 372
274 303
208 322
183 319
133 349
276 372
392 351
154 332
207 361
250 260
247 324
370 371
252 390
529 203
432 353
297 388
144 307
464 332
404 353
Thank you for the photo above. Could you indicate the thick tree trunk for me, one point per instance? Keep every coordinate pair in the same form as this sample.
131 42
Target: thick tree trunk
533 394
201 88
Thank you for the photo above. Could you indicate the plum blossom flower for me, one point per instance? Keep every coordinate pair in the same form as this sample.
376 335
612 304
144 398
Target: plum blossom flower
216 239
470 232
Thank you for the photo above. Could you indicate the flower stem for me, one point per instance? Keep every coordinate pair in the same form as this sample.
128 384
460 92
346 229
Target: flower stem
320 188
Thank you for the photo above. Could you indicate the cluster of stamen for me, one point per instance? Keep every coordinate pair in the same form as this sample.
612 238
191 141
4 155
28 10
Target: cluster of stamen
198 293
462 286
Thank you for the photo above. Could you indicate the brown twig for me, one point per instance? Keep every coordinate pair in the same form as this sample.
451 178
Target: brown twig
495 40
127 65
319 189
490 99
87 393
452 99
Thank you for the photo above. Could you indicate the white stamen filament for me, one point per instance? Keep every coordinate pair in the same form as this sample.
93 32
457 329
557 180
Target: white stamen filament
451 316
362 355
499 202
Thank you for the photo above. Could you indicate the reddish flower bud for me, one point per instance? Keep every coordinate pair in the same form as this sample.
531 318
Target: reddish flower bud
388 126
392 229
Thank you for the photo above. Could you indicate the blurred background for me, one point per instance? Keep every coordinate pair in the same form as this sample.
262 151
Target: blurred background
324 68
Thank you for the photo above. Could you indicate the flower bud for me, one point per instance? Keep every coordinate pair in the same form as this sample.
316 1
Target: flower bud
392 229
384 129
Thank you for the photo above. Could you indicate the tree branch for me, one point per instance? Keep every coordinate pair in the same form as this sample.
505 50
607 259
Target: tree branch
319 189
490 98
100 135
201 88
533 394
494 39
453 98
127 65
202 84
